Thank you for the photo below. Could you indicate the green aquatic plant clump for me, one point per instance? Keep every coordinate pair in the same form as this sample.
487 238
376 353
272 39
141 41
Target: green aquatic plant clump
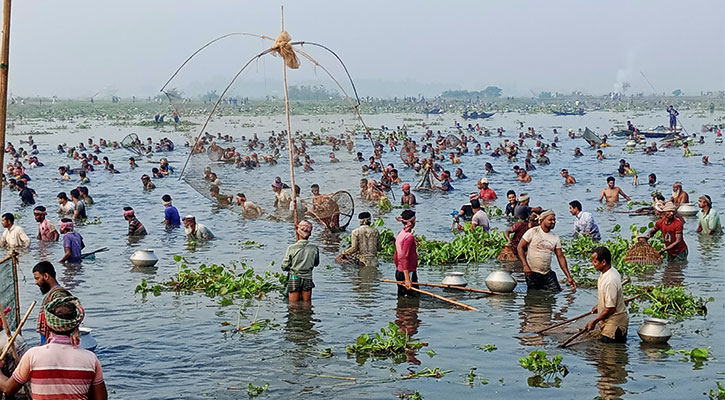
717 394
236 281
389 342
547 371
427 373
669 302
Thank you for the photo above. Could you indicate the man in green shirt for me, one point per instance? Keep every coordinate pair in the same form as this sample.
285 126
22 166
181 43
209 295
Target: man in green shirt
299 260
708 219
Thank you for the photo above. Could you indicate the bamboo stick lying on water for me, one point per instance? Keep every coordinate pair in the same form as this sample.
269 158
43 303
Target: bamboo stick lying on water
446 299
440 285
17 331
574 336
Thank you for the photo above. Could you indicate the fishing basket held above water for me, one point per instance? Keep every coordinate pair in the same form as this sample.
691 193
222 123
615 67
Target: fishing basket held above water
643 253
507 254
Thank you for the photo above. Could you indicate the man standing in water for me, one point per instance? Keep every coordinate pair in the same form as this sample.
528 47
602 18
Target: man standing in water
584 221
135 227
72 242
282 199
535 250
406 256
610 309
679 196
673 117
44 274
611 193
171 214
708 221
13 236
671 228
299 261
196 232
365 242
407 198
46 230
568 179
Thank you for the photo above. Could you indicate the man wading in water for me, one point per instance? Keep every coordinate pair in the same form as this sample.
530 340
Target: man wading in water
535 249
671 228
299 261
611 192
406 256
610 309
364 242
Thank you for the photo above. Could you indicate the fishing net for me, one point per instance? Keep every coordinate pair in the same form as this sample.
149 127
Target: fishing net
643 253
452 140
7 292
507 254
425 182
334 211
215 152
591 137
133 144
408 153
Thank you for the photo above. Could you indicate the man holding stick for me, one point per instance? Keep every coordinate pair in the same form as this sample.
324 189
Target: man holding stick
610 309
406 256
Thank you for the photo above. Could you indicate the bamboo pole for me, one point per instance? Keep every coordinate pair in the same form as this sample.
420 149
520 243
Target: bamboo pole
289 139
14 256
8 333
4 66
574 336
446 299
440 285
17 331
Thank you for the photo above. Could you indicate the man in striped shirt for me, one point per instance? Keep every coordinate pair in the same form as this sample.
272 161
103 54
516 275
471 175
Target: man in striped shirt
59 370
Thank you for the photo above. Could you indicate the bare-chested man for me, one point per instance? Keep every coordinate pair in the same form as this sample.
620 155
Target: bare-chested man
568 179
611 192
679 196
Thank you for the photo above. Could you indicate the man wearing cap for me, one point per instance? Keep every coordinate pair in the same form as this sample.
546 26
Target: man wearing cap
171 214
135 227
535 250
72 242
59 369
407 198
708 219
299 260
195 231
485 193
365 242
671 228
13 236
406 256
46 230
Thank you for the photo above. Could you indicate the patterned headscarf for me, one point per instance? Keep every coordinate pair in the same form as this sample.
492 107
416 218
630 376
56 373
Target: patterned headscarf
58 324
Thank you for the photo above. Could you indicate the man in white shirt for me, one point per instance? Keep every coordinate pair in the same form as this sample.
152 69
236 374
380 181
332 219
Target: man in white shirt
13 236
66 208
480 218
584 221
610 309
535 250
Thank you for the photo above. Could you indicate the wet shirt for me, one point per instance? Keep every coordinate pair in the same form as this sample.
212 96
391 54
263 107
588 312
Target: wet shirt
541 246
14 237
584 224
365 243
522 212
80 208
301 257
59 371
487 194
27 196
669 235
45 230
67 209
73 240
510 208
710 221
171 214
201 233
136 228
609 295
518 229
481 219
406 256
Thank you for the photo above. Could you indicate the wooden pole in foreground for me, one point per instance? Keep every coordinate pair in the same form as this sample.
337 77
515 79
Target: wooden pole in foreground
574 336
440 285
8 333
446 299
17 331
289 139
4 64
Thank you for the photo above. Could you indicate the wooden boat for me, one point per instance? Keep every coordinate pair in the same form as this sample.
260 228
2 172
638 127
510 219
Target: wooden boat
622 133
591 137
477 115
659 132
564 113
434 111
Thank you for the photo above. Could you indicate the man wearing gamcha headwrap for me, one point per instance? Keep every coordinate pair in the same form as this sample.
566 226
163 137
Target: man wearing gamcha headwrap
535 250
299 261
59 369
406 255
671 228
46 230
72 242
365 242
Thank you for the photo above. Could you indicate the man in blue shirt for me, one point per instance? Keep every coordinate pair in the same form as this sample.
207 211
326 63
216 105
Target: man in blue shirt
171 214
673 117
72 242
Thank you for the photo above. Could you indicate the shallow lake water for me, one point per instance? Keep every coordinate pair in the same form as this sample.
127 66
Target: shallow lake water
171 347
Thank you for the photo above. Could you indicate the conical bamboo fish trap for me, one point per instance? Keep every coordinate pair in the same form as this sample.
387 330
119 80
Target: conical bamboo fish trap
507 254
643 253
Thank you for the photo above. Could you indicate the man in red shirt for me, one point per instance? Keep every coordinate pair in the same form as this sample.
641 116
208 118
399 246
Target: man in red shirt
485 193
671 229
406 256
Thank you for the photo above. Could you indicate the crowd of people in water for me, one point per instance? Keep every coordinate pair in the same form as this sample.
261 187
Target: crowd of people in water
429 158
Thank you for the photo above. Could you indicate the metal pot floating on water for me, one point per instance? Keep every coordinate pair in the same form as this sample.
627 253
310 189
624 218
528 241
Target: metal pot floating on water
654 330
455 279
687 209
144 258
500 281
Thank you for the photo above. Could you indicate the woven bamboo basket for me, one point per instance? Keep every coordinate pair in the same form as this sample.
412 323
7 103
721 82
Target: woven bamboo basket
507 254
643 253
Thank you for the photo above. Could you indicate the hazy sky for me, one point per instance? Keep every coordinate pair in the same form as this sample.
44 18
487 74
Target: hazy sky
80 48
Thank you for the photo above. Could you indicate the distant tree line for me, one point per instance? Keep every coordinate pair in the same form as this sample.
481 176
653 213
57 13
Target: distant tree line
489 92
